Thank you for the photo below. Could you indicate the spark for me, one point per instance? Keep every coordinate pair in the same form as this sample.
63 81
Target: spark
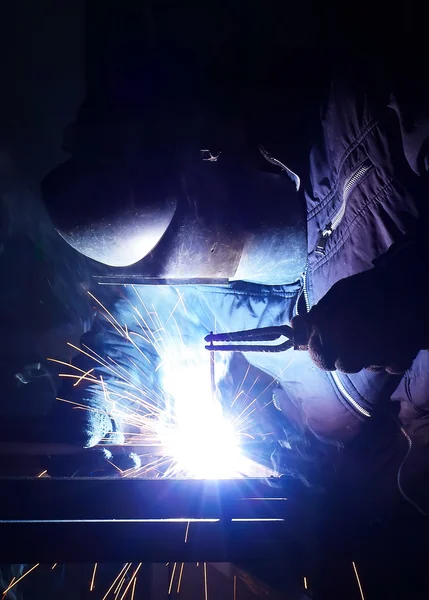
187 531
73 376
235 587
205 582
247 408
12 585
81 406
253 385
92 584
178 331
358 581
119 587
42 473
142 337
268 386
66 364
180 577
105 310
142 318
100 362
130 583
113 584
4 593
182 300
263 391
121 581
237 419
175 306
238 394
149 467
98 359
128 337
134 589
138 387
84 376
305 583
53 566
182 416
172 578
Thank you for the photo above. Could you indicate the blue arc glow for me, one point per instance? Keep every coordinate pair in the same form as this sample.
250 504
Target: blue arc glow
196 432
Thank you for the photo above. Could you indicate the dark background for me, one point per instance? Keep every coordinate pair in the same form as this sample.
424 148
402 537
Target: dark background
52 52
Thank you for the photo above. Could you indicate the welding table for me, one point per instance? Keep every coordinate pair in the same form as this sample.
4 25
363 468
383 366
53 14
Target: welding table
87 520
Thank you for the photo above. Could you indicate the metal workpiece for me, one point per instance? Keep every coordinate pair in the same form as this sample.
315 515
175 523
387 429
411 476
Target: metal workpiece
81 520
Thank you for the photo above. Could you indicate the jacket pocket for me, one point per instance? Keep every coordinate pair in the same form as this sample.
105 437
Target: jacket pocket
350 184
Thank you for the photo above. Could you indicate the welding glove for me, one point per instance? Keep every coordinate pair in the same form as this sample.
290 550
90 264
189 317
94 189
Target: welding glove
376 319
81 416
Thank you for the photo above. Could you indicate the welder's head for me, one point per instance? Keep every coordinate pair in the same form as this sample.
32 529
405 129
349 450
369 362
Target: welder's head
180 186
211 216
134 168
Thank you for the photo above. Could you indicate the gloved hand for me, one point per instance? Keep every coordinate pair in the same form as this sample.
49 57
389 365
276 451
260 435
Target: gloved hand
375 320
82 417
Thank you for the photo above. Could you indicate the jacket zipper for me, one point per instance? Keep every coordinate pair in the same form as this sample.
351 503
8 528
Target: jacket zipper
303 292
349 185
348 396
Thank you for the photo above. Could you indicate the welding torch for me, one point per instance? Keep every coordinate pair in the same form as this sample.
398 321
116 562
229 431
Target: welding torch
263 339
252 340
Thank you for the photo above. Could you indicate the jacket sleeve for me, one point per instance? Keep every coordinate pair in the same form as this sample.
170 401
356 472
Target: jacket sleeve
408 95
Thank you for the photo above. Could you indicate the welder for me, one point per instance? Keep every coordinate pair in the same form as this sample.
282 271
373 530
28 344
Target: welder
314 215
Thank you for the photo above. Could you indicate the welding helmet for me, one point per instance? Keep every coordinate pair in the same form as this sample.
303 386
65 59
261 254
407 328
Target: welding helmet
216 217
103 214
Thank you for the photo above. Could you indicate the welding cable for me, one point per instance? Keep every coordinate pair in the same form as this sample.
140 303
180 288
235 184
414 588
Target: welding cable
401 466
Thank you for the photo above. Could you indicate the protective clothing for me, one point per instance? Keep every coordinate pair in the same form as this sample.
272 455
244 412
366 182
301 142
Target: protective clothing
356 326
365 191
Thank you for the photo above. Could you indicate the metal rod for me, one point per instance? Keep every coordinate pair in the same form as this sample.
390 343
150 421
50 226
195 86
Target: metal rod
212 376
97 499
90 520
126 279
